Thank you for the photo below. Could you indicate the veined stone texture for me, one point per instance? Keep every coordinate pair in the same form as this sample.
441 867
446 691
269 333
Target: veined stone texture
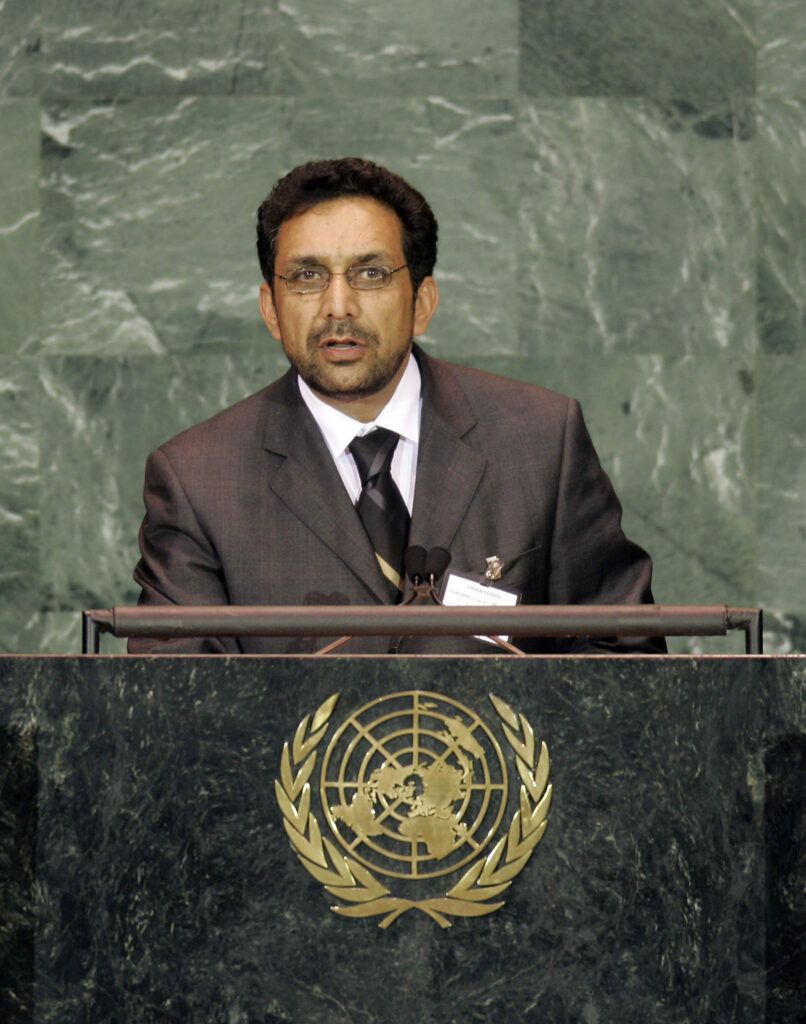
20 502
339 51
19 223
663 48
620 194
20 46
782 48
159 861
782 364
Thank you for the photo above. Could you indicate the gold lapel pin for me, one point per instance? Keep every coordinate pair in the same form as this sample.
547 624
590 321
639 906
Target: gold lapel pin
494 568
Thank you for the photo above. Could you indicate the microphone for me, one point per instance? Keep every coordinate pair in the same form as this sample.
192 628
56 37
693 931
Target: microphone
414 558
436 562
424 568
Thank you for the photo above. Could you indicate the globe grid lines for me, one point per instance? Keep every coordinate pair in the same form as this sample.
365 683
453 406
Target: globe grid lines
436 729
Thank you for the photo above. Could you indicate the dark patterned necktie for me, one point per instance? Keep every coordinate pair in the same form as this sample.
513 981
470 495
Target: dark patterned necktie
380 504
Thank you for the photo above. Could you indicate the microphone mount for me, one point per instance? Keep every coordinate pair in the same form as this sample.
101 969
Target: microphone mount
424 568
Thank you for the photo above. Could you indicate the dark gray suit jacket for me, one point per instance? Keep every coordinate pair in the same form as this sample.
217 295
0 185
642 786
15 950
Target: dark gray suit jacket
248 508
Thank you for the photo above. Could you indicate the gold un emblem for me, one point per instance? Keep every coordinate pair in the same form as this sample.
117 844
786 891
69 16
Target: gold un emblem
413 787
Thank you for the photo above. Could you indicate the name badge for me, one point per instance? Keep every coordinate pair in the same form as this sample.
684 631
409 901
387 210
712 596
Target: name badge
466 592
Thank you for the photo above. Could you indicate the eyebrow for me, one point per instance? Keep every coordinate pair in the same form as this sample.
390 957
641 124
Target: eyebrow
318 261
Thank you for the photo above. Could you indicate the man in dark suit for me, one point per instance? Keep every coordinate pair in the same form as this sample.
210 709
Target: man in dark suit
266 502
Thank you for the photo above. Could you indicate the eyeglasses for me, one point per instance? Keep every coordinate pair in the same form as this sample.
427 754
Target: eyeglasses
365 278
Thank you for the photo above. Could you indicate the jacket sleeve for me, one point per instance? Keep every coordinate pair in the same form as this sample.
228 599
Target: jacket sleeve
592 561
178 563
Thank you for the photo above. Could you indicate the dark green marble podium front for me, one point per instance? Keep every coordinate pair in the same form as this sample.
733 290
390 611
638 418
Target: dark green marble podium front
147 874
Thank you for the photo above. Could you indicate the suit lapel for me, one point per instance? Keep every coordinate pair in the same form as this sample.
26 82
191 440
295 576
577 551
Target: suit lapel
306 480
448 470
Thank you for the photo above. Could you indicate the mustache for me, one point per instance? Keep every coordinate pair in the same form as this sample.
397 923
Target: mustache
341 330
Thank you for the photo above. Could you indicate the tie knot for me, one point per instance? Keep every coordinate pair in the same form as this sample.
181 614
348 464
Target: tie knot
373 453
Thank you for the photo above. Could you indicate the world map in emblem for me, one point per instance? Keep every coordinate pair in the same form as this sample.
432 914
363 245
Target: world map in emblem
414 784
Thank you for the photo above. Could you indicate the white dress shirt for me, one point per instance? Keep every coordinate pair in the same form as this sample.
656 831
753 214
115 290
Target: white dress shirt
400 414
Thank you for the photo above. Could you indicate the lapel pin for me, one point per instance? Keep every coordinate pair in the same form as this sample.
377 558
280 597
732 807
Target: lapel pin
494 568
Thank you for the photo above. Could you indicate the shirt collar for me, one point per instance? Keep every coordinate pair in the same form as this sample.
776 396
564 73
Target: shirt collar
400 414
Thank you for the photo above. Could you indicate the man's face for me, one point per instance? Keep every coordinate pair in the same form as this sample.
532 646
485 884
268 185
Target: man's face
349 346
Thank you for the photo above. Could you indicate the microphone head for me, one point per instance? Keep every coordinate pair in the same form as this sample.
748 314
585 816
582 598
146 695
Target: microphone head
436 562
414 562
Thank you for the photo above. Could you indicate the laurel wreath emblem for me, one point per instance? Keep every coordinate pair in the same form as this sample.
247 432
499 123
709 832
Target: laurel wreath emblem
347 880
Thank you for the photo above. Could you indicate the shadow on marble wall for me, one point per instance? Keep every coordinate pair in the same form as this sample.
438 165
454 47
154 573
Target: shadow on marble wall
619 189
785 827
18 827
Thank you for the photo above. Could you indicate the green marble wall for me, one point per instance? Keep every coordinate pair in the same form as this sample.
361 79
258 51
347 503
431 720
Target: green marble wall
620 188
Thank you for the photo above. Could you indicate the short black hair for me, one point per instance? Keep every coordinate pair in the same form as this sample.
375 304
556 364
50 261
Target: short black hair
322 180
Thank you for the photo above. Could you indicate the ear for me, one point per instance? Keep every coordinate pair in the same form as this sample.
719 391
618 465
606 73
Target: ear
269 311
425 305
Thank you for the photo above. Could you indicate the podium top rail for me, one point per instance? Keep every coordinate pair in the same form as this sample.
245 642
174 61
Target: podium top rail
175 621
